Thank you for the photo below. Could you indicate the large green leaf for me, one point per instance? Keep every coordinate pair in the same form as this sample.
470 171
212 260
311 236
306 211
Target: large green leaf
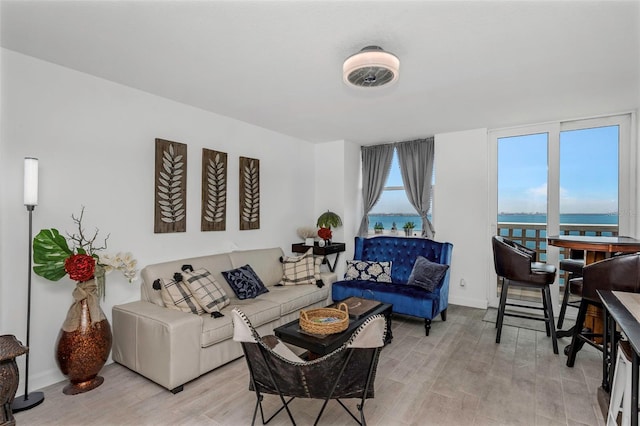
50 250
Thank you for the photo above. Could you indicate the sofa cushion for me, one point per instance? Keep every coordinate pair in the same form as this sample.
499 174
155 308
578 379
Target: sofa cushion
427 274
293 298
259 311
244 282
366 270
265 263
303 269
209 294
406 299
177 295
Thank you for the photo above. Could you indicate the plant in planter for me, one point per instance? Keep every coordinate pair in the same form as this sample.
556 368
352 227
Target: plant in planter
378 228
394 229
408 228
325 221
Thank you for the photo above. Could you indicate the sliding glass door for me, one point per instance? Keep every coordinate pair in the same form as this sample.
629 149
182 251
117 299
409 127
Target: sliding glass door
561 178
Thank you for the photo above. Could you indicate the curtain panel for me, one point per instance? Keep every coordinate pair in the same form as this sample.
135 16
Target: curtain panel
376 162
416 167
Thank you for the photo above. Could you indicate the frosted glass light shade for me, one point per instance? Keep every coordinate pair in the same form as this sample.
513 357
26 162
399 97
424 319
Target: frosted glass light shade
371 67
30 181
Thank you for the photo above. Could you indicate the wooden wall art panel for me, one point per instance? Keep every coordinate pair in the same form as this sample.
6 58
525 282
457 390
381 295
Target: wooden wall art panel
214 190
249 193
170 187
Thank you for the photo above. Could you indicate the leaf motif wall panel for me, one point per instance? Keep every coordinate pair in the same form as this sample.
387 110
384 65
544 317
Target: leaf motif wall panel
170 187
249 193
214 190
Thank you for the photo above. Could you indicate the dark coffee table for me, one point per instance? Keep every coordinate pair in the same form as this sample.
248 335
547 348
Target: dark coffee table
320 345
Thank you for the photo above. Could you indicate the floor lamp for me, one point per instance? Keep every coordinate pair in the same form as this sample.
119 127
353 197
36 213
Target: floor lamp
29 400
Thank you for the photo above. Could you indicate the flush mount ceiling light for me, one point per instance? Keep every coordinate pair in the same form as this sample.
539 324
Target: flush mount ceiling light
371 67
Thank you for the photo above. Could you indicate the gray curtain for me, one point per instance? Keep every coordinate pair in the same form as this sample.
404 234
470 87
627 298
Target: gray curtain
416 166
376 162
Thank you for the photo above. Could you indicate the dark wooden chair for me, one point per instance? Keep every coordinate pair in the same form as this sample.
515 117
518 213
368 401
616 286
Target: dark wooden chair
347 372
573 265
619 273
517 267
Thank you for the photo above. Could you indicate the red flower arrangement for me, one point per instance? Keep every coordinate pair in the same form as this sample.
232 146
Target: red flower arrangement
80 267
324 233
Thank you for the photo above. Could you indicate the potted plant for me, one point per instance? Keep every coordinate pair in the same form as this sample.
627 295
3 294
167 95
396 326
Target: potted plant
408 228
325 221
378 228
394 229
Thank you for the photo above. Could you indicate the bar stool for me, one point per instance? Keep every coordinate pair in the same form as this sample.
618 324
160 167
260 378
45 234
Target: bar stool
516 266
619 273
573 265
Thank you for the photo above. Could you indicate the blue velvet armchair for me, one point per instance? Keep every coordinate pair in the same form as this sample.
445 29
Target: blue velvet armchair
406 299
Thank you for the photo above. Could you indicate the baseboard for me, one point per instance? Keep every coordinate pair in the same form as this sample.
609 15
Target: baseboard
471 303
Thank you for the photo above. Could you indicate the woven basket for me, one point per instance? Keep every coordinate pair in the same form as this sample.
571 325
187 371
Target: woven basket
314 320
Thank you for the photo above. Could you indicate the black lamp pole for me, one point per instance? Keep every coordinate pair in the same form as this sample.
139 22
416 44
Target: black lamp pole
29 400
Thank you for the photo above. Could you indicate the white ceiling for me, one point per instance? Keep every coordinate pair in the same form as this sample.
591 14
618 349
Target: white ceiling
278 64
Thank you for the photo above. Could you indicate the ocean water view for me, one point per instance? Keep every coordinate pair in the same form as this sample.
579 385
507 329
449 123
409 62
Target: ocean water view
400 219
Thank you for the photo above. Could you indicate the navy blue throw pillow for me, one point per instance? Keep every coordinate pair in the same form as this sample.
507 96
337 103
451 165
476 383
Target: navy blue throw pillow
244 282
427 274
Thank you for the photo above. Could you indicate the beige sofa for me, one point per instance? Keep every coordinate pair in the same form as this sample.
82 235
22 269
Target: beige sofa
172 347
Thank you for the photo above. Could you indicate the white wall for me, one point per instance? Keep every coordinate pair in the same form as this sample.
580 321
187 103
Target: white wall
336 180
461 212
95 142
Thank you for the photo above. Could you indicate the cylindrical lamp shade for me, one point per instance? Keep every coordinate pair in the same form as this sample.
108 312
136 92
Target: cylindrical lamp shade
30 181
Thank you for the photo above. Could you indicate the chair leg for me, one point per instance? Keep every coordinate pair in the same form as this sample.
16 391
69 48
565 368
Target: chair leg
544 309
550 320
443 315
427 326
575 341
563 307
503 302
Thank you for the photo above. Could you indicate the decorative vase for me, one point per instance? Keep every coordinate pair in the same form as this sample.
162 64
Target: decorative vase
84 342
10 348
407 232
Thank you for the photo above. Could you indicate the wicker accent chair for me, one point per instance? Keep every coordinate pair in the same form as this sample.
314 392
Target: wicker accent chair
347 372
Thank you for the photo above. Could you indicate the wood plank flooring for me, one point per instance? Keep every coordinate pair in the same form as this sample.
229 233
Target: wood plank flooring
456 376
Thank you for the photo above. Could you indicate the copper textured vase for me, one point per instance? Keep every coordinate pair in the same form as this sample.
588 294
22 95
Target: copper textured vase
84 343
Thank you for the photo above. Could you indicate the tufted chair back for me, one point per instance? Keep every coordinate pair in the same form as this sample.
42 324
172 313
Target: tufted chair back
402 251
619 273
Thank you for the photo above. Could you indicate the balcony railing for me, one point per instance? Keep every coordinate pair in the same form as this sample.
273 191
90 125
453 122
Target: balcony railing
534 236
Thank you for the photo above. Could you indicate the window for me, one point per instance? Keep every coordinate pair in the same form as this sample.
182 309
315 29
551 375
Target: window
393 205
573 177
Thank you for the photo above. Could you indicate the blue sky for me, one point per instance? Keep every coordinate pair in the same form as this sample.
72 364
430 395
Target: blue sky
588 174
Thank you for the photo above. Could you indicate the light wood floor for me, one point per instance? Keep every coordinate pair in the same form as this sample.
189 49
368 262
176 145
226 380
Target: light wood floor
456 376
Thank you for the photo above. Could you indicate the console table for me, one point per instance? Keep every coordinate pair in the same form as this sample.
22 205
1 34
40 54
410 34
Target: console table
331 248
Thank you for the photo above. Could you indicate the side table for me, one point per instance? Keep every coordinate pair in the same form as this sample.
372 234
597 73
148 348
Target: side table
10 348
332 248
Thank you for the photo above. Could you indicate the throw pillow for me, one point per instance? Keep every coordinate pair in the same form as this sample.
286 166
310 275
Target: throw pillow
368 271
206 290
177 295
244 282
303 269
427 274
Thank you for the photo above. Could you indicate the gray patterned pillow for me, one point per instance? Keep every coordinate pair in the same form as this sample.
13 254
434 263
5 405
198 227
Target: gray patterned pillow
368 271
206 290
427 274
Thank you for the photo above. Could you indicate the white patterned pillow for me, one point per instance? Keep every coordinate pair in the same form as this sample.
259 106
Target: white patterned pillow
303 269
177 295
206 290
368 271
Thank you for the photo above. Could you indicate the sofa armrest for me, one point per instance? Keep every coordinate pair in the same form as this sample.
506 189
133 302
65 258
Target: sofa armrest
160 343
